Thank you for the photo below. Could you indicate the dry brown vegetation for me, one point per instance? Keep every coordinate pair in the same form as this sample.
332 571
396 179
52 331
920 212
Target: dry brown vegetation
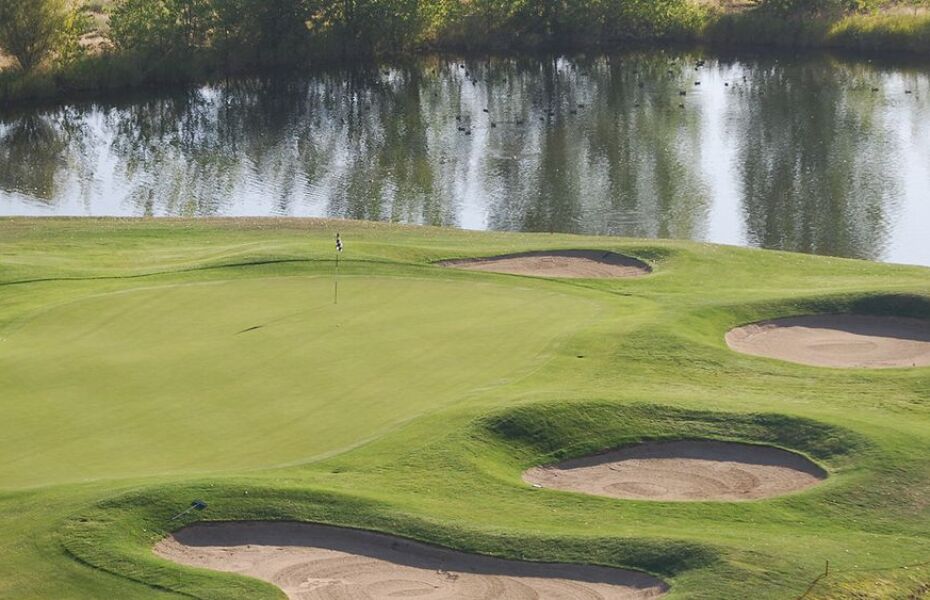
94 40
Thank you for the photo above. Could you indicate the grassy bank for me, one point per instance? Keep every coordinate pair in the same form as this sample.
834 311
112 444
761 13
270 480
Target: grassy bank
146 363
867 34
105 71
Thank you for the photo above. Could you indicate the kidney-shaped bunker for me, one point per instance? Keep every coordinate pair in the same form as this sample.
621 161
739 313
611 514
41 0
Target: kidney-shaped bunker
557 263
318 562
683 470
847 341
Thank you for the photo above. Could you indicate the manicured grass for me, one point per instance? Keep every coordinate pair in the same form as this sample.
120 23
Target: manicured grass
252 373
134 382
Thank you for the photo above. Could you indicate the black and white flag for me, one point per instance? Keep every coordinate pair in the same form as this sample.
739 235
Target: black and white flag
338 243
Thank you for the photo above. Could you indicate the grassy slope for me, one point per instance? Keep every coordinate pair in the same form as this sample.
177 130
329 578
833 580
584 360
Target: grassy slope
467 378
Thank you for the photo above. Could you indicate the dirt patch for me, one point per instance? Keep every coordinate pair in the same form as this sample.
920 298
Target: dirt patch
557 263
318 562
683 470
6 62
845 341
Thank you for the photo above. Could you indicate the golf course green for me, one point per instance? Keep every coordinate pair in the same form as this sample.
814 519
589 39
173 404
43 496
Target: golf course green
146 364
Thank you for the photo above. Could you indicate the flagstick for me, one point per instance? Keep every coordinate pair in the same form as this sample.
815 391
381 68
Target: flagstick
336 274
336 281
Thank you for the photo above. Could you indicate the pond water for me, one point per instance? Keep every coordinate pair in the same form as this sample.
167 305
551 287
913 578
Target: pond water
808 153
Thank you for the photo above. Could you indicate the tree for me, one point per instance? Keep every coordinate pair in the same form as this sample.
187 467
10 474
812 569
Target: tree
161 27
277 29
32 30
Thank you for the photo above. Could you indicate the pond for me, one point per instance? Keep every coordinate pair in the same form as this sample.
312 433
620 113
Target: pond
810 153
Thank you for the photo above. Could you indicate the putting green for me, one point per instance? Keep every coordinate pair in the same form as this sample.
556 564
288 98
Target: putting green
255 372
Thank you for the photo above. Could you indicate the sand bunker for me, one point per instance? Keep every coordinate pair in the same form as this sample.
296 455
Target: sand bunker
838 341
557 263
685 470
317 562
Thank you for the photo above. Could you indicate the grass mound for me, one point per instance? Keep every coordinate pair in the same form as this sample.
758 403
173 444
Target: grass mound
543 434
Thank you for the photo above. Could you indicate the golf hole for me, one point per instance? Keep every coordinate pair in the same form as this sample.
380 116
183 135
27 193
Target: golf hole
843 341
332 563
683 471
557 263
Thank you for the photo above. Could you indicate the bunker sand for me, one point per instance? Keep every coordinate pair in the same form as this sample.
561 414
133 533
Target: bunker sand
842 341
682 471
576 264
318 562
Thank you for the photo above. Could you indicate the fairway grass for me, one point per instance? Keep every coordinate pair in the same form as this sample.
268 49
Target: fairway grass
148 363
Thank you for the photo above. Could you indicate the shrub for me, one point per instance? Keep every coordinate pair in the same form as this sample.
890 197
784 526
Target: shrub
33 30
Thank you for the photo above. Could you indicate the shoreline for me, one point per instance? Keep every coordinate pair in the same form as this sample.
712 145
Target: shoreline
897 37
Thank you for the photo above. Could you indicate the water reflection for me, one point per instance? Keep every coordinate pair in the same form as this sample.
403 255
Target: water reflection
819 179
798 154
35 150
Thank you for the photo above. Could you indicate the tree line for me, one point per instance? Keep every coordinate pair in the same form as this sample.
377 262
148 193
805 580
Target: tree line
285 31
150 40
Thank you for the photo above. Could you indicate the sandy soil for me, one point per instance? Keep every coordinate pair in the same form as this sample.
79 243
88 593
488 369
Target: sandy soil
557 263
838 341
317 562
684 470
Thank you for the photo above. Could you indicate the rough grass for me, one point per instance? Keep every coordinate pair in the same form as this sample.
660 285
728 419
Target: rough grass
417 414
865 33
